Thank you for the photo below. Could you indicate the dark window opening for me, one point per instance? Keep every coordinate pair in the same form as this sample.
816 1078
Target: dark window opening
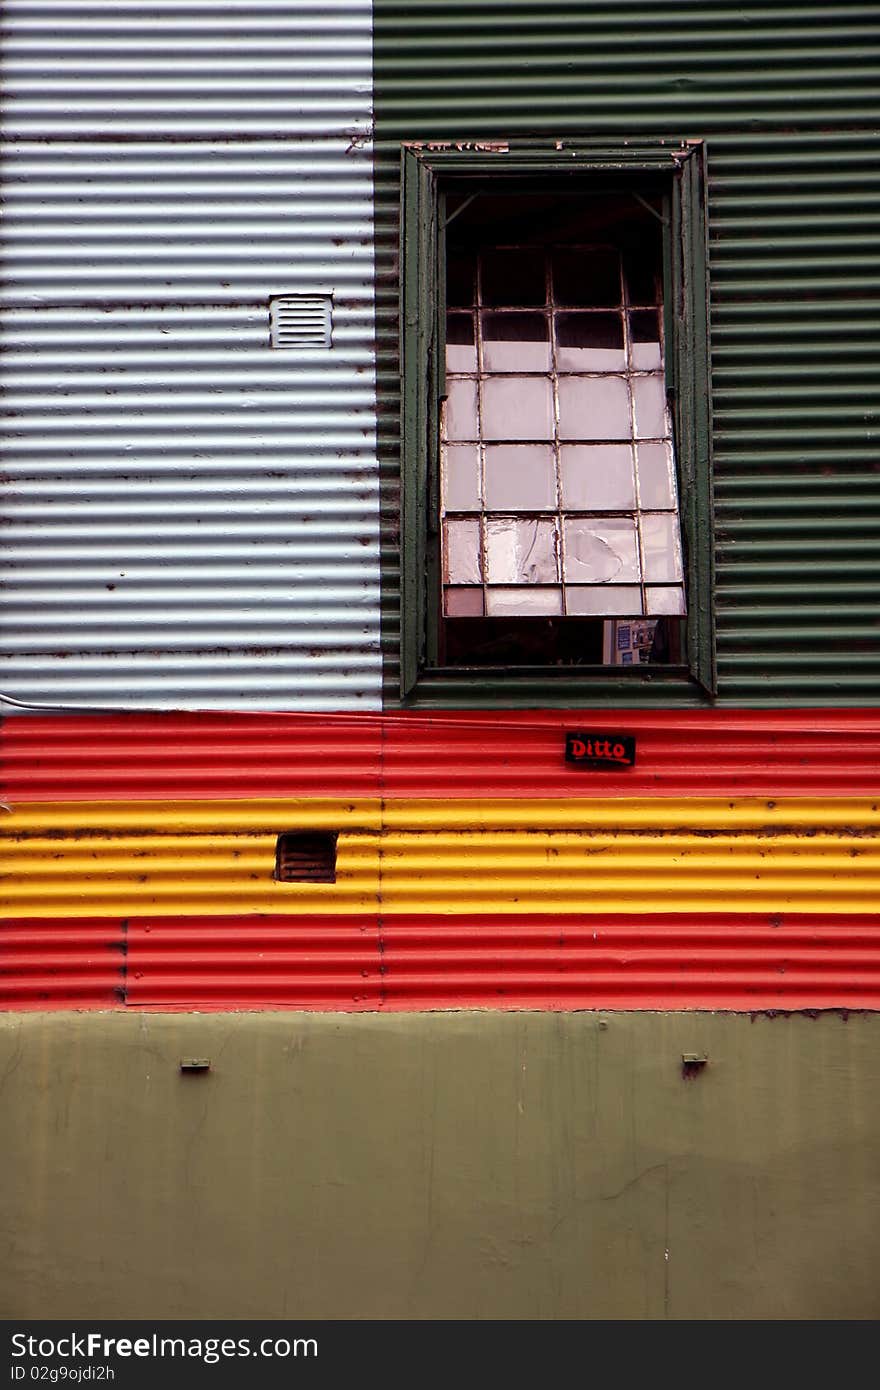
561 642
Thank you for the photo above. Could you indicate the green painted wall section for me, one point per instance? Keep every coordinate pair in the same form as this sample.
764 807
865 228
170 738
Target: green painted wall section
469 1165
787 98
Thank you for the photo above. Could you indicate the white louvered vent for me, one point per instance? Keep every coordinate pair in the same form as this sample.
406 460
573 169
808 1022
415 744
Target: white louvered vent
300 320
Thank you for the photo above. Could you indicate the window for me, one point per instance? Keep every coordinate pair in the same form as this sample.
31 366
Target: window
556 509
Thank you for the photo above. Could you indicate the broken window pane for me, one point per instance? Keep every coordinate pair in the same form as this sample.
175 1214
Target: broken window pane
517 407
515 342
589 343
520 477
597 477
520 551
601 550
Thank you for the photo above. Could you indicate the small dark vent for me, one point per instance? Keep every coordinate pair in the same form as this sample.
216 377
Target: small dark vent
306 856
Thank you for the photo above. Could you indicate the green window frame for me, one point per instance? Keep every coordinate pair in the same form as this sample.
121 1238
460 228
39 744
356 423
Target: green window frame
430 174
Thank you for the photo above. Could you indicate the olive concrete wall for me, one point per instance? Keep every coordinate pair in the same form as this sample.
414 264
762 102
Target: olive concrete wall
473 1165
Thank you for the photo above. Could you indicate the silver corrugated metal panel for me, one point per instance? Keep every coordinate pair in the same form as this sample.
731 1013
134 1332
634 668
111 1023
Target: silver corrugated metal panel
269 67
786 98
191 517
146 222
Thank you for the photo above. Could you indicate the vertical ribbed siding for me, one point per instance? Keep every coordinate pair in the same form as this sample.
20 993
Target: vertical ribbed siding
787 99
190 517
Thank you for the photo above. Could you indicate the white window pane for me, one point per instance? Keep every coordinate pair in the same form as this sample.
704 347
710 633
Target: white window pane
602 550
517 407
650 401
464 603
594 407
661 544
656 476
461 478
603 600
527 603
590 343
520 551
520 477
597 477
666 600
460 410
462 551
460 357
515 343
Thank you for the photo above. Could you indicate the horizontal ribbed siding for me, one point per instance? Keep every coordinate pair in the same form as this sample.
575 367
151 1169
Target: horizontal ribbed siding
419 858
707 960
736 866
449 755
215 222
562 963
180 67
190 517
786 99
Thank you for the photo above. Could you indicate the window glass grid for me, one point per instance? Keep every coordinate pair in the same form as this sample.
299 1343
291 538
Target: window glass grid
632 573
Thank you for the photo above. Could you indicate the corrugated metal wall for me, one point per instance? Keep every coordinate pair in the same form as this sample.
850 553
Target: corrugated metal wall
787 98
194 520
736 865
191 518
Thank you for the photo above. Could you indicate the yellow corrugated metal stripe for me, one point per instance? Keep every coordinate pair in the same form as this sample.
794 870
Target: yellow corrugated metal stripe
650 855
272 815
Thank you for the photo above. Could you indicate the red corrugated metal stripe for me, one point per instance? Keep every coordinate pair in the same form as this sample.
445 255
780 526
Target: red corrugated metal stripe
717 961
189 757
462 754
62 964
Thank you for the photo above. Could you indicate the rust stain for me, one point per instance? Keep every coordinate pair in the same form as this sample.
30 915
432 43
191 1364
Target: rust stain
478 146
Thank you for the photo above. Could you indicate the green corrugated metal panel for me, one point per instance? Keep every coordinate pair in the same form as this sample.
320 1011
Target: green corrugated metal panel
787 98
